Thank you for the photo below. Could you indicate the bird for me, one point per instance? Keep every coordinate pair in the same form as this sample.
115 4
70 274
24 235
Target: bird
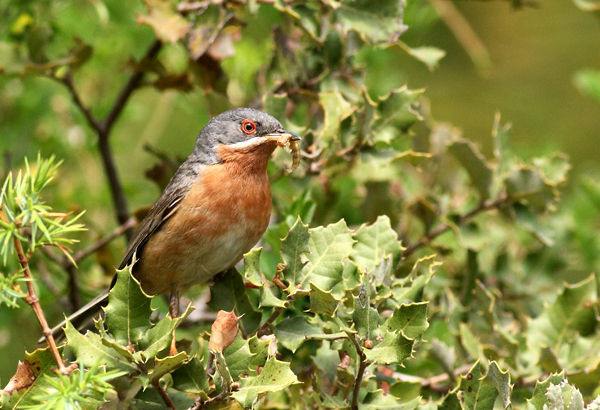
214 209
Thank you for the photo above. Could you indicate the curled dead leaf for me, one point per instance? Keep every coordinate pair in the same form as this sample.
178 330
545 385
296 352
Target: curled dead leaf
22 379
223 331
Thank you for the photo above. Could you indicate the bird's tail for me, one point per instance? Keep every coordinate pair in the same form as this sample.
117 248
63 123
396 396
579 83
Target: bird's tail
81 315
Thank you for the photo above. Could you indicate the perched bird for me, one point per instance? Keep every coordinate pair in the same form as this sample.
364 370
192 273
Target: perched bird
214 209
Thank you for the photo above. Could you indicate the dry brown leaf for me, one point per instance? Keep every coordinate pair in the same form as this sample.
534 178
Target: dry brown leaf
22 379
223 331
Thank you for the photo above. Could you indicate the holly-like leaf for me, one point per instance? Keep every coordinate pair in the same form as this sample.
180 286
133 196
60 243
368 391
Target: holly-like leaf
410 289
430 56
501 381
364 316
322 302
376 21
167 364
293 246
480 172
528 184
159 336
274 376
238 357
292 332
410 319
128 310
89 350
538 399
327 248
228 293
252 272
563 325
394 348
336 109
191 377
475 391
373 242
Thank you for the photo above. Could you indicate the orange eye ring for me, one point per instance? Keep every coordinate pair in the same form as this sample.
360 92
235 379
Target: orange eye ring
248 127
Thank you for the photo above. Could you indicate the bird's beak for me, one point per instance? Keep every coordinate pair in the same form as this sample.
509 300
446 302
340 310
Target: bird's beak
283 137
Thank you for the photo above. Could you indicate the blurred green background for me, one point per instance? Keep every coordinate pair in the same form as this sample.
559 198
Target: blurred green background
534 55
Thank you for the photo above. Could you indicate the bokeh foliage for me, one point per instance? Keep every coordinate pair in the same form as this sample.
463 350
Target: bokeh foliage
404 268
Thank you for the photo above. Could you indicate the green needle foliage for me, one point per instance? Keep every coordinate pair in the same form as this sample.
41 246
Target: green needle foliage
405 267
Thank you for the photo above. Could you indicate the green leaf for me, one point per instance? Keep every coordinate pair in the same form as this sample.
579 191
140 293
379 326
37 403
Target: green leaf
475 390
167 364
538 399
327 248
394 348
528 184
159 336
128 310
563 325
501 381
191 377
373 242
430 56
238 357
292 332
474 162
410 289
410 319
322 302
376 21
252 273
336 109
275 376
364 316
89 350
229 293
293 246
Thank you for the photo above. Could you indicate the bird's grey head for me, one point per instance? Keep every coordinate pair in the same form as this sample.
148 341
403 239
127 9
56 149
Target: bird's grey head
237 128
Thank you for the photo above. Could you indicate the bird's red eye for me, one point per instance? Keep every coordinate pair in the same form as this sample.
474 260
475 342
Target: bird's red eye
248 127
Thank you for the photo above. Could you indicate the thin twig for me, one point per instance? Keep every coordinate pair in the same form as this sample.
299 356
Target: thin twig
33 301
164 395
483 206
104 127
360 373
265 328
119 230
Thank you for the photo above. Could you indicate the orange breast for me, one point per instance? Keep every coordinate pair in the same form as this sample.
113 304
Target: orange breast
222 216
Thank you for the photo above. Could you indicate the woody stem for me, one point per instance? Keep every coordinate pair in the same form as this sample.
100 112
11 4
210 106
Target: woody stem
34 302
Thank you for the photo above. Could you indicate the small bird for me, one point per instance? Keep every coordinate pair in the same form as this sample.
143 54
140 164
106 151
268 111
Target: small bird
215 208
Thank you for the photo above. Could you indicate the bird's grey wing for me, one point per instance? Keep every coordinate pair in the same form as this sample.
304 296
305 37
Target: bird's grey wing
162 210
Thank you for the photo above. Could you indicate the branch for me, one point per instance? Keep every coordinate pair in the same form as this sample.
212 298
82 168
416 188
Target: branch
265 328
483 206
33 301
104 127
360 373
164 395
119 230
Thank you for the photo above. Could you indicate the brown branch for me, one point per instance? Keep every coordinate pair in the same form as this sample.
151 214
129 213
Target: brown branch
104 127
33 301
483 206
119 230
360 373
265 328
164 395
